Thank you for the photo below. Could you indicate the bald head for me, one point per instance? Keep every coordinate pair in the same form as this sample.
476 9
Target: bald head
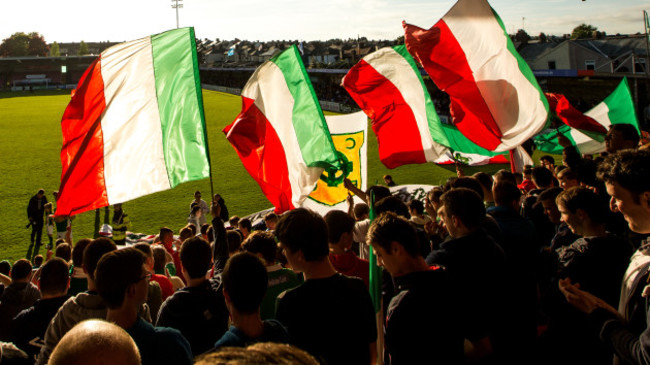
95 342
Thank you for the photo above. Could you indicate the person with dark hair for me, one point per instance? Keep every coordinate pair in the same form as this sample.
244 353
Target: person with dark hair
419 325
244 286
271 220
120 223
527 183
154 290
234 241
543 180
504 175
96 342
28 327
245 227
626 175
35 212
563 234
263 245
203 207
37 262
204 231
568 178
339 231
464 182
518 240
166 286
621 137
547 162
234 222
388 180
416 210
122 280
167 241
18 295
397 206
198 310
64 251
597 261
78 280
85 305
486 182
476 266
339 307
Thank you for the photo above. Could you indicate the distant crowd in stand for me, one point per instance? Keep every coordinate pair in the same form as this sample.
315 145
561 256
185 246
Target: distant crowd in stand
548 267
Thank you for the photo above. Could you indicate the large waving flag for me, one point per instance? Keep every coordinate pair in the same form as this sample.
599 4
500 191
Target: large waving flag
572 117
135 124
495 99
617 108
280 134
388 87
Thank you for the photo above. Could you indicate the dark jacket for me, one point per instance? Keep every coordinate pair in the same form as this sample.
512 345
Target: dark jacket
477 270
598 265
35 208
28 327
15 298
198 312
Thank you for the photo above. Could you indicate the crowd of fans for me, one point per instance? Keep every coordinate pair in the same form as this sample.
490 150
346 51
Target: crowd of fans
549 267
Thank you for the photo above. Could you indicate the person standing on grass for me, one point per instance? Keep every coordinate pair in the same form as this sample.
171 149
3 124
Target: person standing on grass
120 223
205 209
35 212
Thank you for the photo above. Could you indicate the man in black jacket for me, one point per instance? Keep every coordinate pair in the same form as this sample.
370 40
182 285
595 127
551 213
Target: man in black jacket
199 311
35 211
28 327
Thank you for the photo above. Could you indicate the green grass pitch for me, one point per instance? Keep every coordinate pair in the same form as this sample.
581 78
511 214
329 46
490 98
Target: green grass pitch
31 143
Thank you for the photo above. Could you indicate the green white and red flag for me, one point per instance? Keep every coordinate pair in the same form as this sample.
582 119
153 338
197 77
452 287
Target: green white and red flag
495 99
134 125
281 135
389 88
572 117
617 108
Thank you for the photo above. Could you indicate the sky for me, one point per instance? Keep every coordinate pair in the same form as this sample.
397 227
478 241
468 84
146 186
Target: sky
265 20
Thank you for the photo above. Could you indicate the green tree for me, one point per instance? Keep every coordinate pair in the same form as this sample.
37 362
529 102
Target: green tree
37 45
542 38
54 50
583 31
83 48
522 36
15 46
21 44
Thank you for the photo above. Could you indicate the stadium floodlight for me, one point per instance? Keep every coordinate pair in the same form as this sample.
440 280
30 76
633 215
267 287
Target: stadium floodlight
177 5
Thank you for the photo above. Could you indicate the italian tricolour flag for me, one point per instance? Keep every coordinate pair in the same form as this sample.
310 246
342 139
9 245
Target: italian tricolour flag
495 99
617 108
281 135
135 124
388 86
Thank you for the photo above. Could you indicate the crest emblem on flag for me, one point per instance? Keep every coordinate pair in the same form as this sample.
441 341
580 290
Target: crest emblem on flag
349 145
349 134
